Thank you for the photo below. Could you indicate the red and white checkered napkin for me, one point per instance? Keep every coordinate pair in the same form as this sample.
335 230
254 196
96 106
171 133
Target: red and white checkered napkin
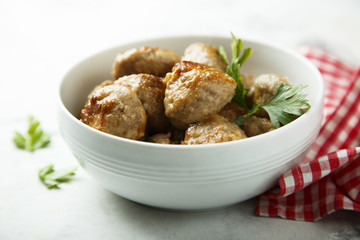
329 177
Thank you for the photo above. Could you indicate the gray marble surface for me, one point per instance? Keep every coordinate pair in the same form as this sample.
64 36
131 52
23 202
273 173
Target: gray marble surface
41 39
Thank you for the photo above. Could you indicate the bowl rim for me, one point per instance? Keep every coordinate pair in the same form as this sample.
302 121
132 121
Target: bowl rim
318 100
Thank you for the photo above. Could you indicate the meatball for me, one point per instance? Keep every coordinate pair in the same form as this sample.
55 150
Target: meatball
256 126
150 90
195 91
151 60
162 138
116 110
232 111
98 87
266 86
205 54
214 129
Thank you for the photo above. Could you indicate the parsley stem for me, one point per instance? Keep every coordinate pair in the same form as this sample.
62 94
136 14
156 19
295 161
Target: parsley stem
252 111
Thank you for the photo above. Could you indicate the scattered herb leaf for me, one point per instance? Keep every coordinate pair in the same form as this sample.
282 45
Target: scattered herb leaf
51 178
34 139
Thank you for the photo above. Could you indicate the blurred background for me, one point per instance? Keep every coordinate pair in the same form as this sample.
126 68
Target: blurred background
41 39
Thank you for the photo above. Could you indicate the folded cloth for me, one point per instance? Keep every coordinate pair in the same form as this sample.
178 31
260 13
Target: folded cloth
329 177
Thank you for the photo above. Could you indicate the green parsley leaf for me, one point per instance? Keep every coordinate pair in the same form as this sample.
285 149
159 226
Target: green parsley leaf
34 139
239 121
284 106
51 178
222 53
233 68
19 140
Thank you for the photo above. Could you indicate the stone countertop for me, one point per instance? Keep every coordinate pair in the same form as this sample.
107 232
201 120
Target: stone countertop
41 40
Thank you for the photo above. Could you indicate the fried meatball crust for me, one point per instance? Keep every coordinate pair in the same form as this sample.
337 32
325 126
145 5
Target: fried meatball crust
116 110
214 129
151 60
195 91
161 138
232 111
98 87
257 125
150 90
205 54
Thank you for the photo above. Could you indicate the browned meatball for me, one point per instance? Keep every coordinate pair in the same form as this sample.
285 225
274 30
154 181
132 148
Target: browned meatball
214 129
195 91
162 138
98 87
150 90
116 110
256 126
266 86
151 60
205 54
232 111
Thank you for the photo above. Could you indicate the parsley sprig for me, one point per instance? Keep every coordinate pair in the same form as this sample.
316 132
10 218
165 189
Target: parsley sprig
52 178
34 138
233 68
287 103
284 106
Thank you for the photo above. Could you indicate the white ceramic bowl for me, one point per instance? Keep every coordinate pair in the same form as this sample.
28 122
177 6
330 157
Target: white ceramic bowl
190 177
